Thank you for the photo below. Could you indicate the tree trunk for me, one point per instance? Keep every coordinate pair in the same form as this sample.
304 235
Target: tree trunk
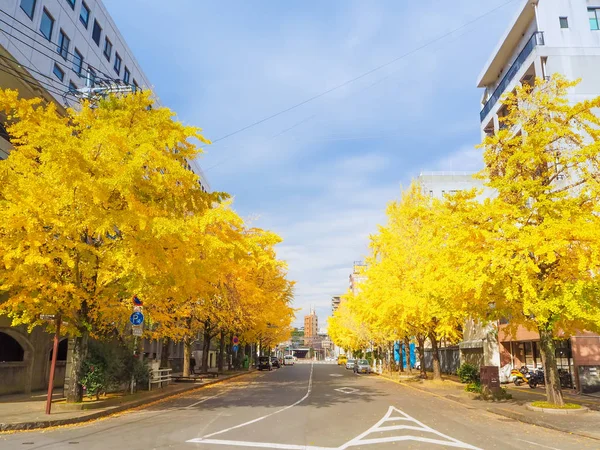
164 353
435 354
407 353
221 352
74 392
548 351
205 347
187 345
230 352
421 343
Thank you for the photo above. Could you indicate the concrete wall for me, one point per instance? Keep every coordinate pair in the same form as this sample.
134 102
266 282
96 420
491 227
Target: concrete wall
32 373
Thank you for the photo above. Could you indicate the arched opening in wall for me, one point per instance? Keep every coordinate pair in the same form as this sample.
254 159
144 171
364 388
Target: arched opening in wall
10 349
63 346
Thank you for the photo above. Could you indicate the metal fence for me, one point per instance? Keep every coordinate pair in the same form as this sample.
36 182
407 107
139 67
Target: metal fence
449 359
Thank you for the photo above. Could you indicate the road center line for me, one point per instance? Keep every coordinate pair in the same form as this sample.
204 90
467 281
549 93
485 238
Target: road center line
271 414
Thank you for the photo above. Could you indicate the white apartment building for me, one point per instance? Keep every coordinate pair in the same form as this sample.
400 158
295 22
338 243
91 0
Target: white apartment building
438 184
545 37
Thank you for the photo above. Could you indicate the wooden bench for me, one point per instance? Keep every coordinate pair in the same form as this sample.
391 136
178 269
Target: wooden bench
195 377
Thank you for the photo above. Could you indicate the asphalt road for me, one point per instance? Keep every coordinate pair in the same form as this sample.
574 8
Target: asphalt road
305 406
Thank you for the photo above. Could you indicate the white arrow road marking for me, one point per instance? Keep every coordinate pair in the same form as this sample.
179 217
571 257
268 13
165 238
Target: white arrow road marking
335 375
346 390
393 415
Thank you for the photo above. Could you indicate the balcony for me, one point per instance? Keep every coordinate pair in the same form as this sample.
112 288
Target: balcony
536 39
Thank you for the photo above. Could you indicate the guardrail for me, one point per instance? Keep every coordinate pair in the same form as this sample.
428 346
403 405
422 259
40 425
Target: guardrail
159 376
536 39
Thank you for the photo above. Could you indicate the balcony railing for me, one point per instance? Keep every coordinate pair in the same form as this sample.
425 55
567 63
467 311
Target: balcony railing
536 38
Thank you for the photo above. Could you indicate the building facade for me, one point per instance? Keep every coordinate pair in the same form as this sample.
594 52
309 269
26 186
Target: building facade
357 276
545 37
311 328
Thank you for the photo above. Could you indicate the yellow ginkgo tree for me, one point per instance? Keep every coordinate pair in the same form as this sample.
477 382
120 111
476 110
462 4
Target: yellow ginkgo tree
83 198
539 262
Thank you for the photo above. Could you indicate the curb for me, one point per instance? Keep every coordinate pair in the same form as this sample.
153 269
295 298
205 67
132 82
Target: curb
524 419
581 410
27 426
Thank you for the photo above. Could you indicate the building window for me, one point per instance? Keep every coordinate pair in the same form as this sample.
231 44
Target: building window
60 74
117 65
96 32
136 85
126 75
564 22
91 76
77 62
47 24
71 4
63 44
594 14
28 7
72 87
84 15
107 48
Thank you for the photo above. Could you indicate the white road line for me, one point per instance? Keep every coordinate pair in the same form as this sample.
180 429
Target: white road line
268 415
203 400
539 445
257 444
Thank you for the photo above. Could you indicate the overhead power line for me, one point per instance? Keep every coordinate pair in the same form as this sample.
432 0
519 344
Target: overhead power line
364 74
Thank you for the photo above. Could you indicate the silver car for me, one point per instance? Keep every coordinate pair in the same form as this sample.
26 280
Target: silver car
350 364
362 366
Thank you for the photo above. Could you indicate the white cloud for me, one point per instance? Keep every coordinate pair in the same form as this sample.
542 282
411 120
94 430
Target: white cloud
466 159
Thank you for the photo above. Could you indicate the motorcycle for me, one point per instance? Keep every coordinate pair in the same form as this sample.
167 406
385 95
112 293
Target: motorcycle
520 376
537 378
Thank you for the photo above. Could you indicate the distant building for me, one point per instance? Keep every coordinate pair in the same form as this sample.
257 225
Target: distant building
357 276
311 328
335 303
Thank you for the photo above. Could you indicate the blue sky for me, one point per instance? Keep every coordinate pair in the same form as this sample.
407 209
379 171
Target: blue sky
324 183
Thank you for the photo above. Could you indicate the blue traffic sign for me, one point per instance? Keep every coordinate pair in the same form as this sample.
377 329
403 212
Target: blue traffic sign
234 348
137 318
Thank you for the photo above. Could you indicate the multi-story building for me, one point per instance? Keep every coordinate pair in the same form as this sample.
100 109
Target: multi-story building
545 37
50 49
335 303
357 276
54 48
311 328
438 184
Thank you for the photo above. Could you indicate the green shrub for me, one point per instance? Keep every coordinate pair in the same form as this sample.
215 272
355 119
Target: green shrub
468 373
474 386
109 366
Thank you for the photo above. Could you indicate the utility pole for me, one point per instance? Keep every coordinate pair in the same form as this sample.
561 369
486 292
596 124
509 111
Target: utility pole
57 321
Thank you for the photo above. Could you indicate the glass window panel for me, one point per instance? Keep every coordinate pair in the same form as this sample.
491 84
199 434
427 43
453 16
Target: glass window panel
28 7
47 24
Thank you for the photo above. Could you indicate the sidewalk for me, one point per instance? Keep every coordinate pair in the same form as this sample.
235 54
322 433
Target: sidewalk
586 424
26 412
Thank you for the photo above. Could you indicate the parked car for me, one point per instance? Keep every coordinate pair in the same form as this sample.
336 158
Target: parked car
342 360
362 366
288 360
264 363
275 362
350 364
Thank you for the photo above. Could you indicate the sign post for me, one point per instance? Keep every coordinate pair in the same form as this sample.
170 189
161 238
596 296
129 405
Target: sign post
57 322
137 328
